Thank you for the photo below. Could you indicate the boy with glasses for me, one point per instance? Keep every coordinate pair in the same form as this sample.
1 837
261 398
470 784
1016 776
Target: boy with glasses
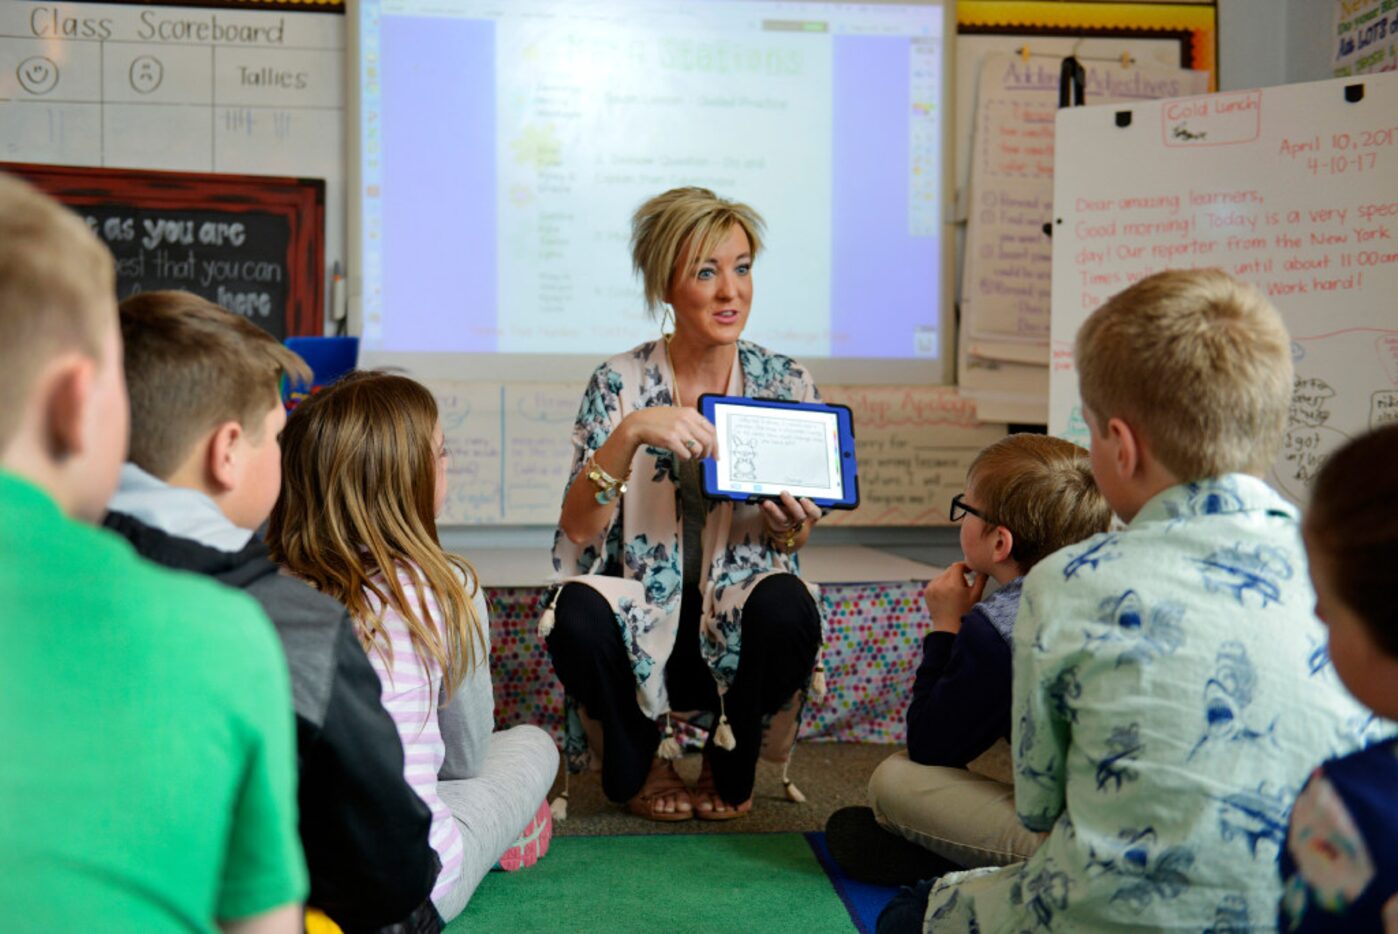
1171 686
1026 496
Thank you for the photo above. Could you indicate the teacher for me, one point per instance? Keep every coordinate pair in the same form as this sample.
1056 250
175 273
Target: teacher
682 604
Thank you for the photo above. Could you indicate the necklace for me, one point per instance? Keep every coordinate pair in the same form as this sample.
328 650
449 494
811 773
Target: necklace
674 373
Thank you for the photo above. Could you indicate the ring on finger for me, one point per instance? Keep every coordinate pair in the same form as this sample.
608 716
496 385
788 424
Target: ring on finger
689 443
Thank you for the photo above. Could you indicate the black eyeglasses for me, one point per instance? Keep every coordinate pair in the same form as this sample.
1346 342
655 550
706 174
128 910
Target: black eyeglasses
959 509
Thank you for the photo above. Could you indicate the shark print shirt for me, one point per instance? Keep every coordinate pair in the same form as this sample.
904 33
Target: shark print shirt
1171 695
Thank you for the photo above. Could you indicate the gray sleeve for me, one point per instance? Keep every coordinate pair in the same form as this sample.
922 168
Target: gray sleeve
467 720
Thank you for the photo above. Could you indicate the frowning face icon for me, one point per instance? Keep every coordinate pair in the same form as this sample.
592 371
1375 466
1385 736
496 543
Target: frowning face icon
146 74
37 75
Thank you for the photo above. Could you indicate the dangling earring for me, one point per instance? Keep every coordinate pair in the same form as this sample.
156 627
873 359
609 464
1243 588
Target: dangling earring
667 320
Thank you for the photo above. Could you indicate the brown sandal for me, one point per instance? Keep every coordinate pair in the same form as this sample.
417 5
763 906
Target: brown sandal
657 786
705 786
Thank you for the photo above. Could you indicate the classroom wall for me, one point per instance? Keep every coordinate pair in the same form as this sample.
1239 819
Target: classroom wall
1252 33
1258 47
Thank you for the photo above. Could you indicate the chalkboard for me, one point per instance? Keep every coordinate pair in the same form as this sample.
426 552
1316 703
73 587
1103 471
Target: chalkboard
252 244
1291 188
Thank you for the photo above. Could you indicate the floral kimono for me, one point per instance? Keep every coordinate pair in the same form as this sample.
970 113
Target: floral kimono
635 562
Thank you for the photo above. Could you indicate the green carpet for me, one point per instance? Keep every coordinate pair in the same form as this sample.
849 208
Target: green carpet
681 883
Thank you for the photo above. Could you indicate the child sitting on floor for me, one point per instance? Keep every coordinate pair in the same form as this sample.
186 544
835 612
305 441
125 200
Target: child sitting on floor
1340 866
364 478
1026 496
204 472
1167 700
147 770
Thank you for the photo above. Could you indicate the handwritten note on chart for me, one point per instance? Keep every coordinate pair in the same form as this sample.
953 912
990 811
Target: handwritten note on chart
509 448
914 444
1289 188
1006 293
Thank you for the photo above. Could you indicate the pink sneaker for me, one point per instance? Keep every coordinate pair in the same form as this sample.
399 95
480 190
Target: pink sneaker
532 844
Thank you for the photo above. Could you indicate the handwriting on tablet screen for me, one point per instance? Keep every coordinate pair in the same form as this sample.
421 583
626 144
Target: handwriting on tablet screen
778 451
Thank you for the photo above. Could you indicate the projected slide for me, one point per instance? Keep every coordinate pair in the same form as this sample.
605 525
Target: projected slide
504 146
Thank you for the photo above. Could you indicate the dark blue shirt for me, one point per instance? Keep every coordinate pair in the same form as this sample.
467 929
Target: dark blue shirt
1340 865
961 697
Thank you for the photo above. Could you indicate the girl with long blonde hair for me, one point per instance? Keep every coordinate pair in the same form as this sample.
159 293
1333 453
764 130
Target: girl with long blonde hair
364 467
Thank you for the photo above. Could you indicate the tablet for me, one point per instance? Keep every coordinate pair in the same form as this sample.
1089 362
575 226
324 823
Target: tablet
766 446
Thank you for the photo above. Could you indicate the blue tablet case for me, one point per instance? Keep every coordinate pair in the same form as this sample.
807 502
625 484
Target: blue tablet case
845 421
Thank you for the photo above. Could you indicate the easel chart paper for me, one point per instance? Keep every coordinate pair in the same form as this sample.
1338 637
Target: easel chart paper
509 448
1292 188
914 446
1006 290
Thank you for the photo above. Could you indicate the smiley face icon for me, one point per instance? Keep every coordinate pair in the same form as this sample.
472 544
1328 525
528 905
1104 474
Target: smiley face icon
146 73
38 75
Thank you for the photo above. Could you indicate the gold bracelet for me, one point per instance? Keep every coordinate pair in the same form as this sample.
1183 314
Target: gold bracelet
789 545
608 487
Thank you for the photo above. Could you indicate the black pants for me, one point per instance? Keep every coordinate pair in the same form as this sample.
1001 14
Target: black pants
781 635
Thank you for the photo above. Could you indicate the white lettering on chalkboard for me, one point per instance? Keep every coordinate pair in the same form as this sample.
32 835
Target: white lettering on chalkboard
247 304
209 233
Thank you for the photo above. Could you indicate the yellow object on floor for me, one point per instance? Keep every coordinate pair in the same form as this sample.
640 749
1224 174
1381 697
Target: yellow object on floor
318 923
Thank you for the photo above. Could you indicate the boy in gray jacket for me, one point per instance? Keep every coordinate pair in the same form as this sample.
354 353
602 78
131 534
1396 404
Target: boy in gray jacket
204 472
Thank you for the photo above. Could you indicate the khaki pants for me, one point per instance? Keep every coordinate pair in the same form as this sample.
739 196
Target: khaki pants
964 816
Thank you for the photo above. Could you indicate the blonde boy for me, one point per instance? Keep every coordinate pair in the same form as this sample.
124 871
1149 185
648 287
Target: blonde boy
204 473
1026 496
1169 697
142 785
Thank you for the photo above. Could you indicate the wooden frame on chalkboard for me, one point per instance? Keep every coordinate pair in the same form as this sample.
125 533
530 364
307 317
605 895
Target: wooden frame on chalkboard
298 202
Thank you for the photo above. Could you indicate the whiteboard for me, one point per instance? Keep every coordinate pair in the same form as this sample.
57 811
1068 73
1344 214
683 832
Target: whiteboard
1292 188
255 92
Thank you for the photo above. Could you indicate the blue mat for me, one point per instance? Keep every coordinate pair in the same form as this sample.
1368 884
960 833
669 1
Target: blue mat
862 900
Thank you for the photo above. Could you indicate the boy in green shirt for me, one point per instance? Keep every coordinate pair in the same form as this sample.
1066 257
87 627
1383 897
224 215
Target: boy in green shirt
148 780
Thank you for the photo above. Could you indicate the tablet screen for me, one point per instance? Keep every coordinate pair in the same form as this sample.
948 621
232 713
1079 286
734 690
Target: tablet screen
763 451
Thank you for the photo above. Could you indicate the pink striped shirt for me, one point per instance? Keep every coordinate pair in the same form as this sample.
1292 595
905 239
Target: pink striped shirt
410 695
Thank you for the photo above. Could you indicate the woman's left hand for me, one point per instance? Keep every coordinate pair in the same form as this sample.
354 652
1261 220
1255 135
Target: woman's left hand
789 520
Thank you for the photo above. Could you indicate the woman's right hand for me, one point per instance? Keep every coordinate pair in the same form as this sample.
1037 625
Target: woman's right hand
683 431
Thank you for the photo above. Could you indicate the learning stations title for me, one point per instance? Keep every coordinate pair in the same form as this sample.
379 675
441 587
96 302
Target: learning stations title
48 22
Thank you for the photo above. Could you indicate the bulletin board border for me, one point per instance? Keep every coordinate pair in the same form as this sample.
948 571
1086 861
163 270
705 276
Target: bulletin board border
300 201
1195 25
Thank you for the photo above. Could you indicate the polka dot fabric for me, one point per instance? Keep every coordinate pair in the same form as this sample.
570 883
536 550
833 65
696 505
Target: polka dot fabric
873 644
526 689
872 649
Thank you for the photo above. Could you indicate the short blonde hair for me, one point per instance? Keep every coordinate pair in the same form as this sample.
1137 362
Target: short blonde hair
696 218
1042 490
190 367
1196 361
57 292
